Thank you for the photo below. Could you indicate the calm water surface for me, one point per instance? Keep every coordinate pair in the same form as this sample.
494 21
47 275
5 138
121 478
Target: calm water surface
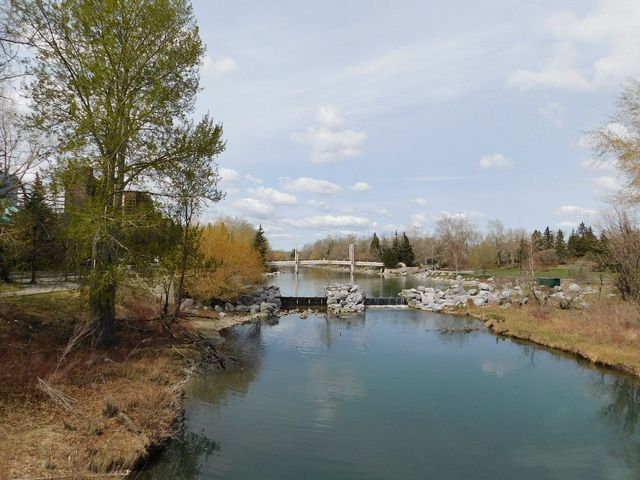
312 282
386 395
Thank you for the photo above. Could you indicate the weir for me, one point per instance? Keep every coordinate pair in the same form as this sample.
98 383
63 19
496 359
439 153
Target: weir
291 302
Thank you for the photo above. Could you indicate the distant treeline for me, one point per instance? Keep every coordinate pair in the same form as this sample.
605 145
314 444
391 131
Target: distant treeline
458 243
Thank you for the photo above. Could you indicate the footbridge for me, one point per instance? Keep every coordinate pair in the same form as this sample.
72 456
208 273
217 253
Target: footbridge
296 263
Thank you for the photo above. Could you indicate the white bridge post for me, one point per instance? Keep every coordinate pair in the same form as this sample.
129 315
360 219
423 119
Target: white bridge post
296 260
352 258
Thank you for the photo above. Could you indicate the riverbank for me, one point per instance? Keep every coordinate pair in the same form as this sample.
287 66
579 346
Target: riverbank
90 412
606 333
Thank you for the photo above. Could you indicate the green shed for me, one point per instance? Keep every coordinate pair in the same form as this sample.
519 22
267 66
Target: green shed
548 282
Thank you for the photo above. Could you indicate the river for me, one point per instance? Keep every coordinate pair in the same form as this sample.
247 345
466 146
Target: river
392 395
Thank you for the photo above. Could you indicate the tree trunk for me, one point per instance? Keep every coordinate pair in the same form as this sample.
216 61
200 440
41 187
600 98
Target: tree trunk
102 300
34 245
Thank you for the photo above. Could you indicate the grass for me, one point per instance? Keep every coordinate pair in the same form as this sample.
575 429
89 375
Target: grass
606 332
123 401
579 272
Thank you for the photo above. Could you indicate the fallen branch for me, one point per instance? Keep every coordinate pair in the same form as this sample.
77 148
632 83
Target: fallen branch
59 397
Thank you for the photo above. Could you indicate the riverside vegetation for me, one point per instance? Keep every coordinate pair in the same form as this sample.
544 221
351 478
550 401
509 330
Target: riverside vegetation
104 181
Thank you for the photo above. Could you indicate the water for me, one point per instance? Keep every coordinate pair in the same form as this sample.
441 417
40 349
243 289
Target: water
388 395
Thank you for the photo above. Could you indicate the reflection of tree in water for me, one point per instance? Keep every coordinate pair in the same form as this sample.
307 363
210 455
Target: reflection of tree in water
622 413
244 343
184 459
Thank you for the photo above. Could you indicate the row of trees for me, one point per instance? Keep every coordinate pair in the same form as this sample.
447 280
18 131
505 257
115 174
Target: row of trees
458 243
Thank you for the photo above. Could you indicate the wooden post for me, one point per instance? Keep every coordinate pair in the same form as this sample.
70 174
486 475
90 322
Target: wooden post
352 258
296 259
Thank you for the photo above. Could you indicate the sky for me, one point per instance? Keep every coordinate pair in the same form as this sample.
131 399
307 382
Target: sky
360 116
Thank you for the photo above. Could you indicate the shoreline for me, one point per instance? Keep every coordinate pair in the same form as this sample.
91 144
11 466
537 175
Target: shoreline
508 327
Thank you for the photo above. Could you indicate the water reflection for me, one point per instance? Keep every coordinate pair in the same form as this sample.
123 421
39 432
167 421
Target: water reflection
622 414
243 343
185 459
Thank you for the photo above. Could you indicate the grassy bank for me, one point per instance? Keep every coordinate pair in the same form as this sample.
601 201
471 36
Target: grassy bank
606 333
96 411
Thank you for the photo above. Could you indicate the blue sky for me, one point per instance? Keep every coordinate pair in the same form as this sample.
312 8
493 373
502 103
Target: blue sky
362 116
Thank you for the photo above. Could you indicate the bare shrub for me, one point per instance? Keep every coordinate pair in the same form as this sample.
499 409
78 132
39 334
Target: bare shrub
229 263
622 251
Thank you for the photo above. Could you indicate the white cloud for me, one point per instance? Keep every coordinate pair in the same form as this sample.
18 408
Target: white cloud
566 225
253 207
383 211
252 179
607 184
229 175
330 141
273 197
573 211
361 187
418 220
310 185
559 72
553 112
497 161
599 165
599 49
420 201
319 205
322 221
219 66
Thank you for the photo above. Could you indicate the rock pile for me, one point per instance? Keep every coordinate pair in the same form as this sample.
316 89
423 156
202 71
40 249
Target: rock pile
265 300
435 300
487 293
345 298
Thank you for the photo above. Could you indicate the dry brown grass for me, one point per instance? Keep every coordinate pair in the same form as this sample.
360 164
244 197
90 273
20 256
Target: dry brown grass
607 331
125 398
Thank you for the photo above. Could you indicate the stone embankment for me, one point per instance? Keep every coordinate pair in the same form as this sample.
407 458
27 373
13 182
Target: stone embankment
347 298
264 301
477 293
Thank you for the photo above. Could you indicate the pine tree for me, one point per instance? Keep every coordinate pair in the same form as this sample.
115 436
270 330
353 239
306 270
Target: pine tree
374 247
536 238
547 239
39 222
395 245
405 252
261 244
560 246
573 245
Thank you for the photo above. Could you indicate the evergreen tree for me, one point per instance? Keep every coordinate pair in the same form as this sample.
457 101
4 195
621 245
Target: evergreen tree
573 245
560 246
261 244
389 257
374 247
405 252
536 238
39 221
395 245
547 239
